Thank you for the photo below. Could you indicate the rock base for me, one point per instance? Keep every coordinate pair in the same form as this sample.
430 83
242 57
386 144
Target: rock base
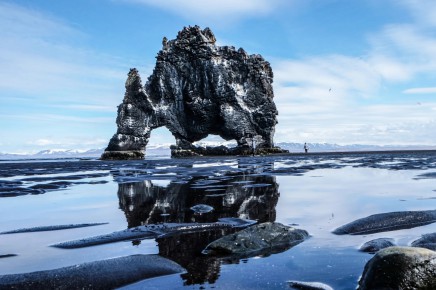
122 155
223 151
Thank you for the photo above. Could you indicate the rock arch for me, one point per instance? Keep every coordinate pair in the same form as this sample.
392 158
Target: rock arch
196 89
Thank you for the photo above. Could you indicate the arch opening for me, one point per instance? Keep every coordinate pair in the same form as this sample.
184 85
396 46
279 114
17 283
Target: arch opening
159 143
215 140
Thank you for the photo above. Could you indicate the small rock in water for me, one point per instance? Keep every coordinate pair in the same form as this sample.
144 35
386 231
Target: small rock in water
309 285
427 241
202 208
8 255
376 245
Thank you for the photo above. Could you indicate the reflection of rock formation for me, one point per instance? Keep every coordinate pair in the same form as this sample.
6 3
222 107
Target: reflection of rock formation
238 194
197 89
186 250
145 203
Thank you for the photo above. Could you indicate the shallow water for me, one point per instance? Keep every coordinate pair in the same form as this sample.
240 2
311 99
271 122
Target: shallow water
317 193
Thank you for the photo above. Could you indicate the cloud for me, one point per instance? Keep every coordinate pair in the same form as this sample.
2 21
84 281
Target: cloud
215 10
357 109
54 118
424 11
68 143
428 90
42 56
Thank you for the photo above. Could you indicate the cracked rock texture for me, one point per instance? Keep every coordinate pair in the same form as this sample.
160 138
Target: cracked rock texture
197 89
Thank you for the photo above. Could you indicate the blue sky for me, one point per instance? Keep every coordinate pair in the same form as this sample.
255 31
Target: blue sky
63 65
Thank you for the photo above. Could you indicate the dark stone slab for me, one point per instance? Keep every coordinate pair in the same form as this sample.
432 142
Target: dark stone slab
384 222
51 228
106 274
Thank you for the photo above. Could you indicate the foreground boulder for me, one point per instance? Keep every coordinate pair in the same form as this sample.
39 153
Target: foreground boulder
263 238
198 88
400 268
106 274
384 222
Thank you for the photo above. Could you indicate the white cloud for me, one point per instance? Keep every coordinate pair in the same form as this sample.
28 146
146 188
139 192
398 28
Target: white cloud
356 109
428 90
44 142
209 11
41 55
68 143
424 11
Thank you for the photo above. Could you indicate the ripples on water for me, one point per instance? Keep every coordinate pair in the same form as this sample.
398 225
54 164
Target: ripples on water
317 193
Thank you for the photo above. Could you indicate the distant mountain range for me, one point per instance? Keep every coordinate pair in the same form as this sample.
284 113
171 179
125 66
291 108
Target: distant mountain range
328 147
159 150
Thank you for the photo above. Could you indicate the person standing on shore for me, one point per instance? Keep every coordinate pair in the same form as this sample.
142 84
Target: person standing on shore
306 148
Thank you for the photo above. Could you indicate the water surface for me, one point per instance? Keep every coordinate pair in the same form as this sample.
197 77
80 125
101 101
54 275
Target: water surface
317 193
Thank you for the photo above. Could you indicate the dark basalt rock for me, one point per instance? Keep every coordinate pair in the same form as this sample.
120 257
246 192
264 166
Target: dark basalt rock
197 89
384 222
152 231
400 268
106 274
376 245
427 241
51 228
309 285
265 238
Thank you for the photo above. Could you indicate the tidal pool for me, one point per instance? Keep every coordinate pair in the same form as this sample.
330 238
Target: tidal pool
315 192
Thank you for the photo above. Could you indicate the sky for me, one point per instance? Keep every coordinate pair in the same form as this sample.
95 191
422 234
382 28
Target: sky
345 72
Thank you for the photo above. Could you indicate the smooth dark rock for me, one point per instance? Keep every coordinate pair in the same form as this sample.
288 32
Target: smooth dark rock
384 222
106 274
309 285
400 268
8 255
153 231
198 88
262 238
51 228
427 241
376 245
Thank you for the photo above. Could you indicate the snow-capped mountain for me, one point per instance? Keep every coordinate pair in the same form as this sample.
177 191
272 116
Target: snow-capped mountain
163 150
328 147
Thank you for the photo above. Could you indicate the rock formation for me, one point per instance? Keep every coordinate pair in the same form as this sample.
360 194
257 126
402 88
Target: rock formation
197 89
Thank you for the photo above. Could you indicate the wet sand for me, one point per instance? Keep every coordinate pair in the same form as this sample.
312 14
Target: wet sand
318 192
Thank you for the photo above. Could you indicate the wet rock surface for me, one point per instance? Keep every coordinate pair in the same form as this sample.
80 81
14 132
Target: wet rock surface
427 241
106 274
309 285
262 238
152 231
7 255
51 228
198 88
400 268
376 245
384 222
